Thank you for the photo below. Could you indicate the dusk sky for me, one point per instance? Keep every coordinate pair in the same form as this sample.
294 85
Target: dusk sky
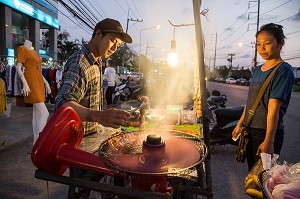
233 21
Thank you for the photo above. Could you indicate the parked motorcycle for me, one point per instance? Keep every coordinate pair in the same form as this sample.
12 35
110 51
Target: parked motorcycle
222 119
226 121
126 91
215 101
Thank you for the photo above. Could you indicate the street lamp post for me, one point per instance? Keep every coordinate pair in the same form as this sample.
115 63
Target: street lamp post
155 27
147 50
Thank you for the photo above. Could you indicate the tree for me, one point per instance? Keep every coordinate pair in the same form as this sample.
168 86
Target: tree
65 48
116 59
222 71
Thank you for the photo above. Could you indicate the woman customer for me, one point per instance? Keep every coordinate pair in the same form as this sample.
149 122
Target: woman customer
266 128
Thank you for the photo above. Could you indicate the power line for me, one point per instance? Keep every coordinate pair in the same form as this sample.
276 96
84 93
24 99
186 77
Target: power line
235 39
136 9
273 9
120 7
79 25
234 22
99 10
76 14
88 10
288 18
234 32
82 14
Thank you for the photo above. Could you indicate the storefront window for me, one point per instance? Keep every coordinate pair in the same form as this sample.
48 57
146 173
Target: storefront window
20 29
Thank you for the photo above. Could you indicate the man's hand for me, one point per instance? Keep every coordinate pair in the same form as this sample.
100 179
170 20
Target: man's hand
112 117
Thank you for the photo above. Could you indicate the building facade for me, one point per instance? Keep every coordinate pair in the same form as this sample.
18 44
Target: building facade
34 20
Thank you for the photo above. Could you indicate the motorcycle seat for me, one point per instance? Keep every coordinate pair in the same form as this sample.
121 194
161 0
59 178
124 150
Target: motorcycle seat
134 86
229 114
217 98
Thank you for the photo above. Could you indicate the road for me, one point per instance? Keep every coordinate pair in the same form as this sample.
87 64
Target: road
17 172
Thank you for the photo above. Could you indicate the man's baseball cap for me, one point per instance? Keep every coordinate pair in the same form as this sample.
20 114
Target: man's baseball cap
113 26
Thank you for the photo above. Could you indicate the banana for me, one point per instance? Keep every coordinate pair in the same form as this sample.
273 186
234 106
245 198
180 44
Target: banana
254 193
256 182
250 184
247 178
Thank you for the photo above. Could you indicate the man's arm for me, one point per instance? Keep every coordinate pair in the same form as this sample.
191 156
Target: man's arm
110 118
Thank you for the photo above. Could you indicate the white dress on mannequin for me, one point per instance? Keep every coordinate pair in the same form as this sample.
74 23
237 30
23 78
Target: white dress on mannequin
40 112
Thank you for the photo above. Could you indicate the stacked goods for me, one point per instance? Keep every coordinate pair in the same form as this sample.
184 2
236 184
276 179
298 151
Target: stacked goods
253 188
285 181
197 94
282 181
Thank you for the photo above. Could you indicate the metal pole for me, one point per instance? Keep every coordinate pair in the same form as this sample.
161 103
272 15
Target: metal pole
141 44
140 50
125 45
215 57
203 90
257 27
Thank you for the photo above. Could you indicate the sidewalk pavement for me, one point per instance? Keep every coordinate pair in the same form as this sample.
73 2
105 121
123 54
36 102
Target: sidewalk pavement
18 126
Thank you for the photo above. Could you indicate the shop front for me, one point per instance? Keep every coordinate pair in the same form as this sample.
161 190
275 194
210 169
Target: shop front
20 20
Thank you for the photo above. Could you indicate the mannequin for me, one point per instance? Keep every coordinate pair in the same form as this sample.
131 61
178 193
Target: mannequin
33 85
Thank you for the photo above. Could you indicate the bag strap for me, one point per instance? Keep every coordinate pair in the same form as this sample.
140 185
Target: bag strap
259 95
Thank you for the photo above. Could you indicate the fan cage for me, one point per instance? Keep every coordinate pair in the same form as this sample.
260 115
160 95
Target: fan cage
124 141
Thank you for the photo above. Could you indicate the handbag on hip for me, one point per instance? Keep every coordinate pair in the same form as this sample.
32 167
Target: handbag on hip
241 152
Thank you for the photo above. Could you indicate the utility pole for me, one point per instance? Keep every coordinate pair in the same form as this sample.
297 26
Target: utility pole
229 58
257 28
125 45
215 56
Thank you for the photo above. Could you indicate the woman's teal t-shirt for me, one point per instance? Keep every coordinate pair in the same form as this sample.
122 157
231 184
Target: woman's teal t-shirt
280 87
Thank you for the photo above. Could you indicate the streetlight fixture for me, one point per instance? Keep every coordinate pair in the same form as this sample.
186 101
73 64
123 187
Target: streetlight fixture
172 58
155 27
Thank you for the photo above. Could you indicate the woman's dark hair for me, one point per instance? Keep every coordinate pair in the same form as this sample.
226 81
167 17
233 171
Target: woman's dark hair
275 29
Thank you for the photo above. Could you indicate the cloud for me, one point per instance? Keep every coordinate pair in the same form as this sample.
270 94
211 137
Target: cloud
186 11
242 17
247 55
229 29
296 18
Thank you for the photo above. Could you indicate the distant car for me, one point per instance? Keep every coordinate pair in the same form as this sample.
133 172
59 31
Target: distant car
230 80
242 81
220 79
